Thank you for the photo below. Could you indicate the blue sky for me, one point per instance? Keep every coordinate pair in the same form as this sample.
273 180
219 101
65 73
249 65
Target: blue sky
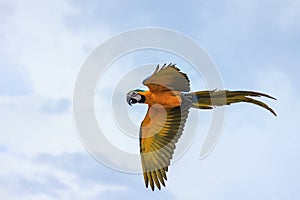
254 44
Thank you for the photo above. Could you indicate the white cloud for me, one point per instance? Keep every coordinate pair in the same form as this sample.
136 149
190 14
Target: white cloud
35 35
35 38
257 154
27 129
28 178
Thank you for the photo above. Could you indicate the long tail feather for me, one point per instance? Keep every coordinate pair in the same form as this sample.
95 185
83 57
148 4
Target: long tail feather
209 99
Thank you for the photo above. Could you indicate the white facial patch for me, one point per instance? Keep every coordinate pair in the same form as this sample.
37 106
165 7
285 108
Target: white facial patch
137 97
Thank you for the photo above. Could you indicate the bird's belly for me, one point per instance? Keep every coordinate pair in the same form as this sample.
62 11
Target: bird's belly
166 99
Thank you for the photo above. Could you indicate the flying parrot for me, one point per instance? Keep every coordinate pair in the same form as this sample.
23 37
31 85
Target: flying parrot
169 100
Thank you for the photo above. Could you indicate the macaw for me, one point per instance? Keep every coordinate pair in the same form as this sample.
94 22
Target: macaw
169 100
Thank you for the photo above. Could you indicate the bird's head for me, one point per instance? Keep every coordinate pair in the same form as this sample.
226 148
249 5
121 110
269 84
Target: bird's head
135 96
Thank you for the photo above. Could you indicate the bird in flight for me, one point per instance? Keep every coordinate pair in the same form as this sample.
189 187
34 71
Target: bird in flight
169 100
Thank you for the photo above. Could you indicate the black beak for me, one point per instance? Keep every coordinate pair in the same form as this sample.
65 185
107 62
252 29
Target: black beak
131 101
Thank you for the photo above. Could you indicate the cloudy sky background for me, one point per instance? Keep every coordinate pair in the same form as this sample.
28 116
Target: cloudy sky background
254 44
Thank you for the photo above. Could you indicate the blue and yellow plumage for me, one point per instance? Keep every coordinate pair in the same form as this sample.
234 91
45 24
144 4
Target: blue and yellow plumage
169 100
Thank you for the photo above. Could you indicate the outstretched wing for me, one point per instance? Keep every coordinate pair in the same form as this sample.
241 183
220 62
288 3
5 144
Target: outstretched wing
159 132
168 77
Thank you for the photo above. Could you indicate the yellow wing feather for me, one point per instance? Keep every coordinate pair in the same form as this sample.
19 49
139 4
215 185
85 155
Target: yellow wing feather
160 130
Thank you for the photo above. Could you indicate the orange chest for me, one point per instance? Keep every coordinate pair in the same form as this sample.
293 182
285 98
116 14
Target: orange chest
166 99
